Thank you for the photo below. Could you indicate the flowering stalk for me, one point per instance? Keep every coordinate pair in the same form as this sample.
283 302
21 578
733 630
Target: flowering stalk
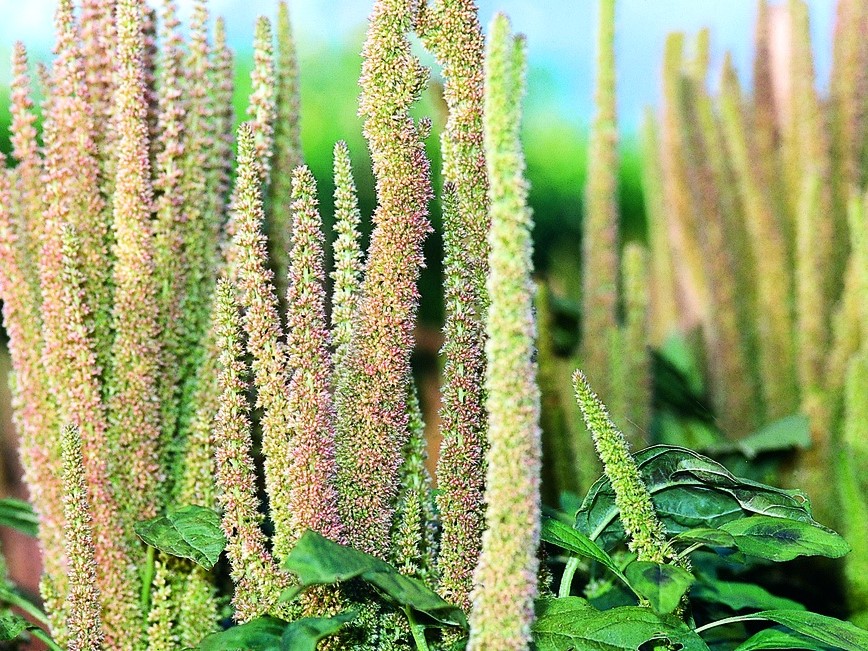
413 544
258 582
451 30
644 530
262 110
505 581
600 226
777 368
313 498
347 274
134 408
287 150
262 325
78 396
82 603
372 425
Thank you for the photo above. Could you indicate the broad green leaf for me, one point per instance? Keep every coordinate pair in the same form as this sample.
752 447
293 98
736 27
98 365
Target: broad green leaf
316 560
714 538
740 596
11 626
571 623
261 634
781 639
662 585
566 537
688 491
826 630
192 532
779 539
304 634
18 514
790 432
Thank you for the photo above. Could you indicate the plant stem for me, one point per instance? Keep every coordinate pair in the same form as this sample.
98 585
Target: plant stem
147 579
39 634
730 620
417 630
689 550
13 599
567 578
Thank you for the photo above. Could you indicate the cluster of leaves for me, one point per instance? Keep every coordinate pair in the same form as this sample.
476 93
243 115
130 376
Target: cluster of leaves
717 525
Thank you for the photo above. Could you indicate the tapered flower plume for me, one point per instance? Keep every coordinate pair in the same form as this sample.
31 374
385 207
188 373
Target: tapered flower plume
98 45
372 395
287 149
506 576
82 603
450 28
169 225
413 542
257 580
262 325
313 498
460 471
777 365
27 194
636 361
600 229
134 408
77 390
220 167
644 530
347 274
262 109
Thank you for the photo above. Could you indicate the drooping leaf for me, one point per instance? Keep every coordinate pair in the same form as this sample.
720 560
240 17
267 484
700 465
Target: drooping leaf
569 538
713 538
779 539
261 634
316 560
740 596
304 634
18 514
11 626
781 639
793 431
661 584
688 491
571 623
820 628
192 532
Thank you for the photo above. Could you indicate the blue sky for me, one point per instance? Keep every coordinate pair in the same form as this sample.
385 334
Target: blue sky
560 38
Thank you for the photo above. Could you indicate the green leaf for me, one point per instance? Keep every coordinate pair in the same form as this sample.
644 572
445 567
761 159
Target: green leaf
662 585
261 634
826 630
304 634
793 431
316 560
11 626
192 532
571 623
713 538
779 539
783 640
688 491
740 596
566 537
18 514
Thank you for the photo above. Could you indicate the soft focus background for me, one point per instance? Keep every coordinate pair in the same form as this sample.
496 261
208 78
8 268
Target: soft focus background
561 43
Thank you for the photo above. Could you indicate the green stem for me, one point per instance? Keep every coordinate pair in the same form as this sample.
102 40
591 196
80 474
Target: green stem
39 634
730 620
17 600
147 579
417 630
683 554
567 578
